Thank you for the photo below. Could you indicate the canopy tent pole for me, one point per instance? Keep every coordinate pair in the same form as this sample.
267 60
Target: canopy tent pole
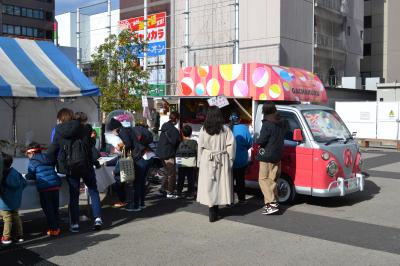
14 107
242 108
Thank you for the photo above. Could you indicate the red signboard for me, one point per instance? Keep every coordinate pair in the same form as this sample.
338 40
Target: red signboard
136 24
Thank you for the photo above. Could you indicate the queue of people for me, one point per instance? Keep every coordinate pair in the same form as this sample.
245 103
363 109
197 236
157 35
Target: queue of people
219 159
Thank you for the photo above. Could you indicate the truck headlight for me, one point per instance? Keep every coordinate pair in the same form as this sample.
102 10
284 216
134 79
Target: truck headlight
332 169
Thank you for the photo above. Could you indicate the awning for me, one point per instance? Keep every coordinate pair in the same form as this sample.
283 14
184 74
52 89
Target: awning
255 80
31 68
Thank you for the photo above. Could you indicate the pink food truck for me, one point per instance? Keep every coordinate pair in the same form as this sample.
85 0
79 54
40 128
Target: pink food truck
321 158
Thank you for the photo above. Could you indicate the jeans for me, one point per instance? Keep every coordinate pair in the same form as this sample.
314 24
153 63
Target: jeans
119 188
74 186
11 219
238 176
190 173
49 200
139 185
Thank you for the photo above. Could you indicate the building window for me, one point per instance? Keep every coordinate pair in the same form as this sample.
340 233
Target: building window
49 16
17 11
10 29
29 12
23 12
367 22
29 32
4 28
17 30
23 31
10 10
367 49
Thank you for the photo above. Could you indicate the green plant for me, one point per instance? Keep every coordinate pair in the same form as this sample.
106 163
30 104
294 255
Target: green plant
118 72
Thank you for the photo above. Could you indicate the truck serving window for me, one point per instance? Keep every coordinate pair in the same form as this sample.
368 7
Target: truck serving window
326 125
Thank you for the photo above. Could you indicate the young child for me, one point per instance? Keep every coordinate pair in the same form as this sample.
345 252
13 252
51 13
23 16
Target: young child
10 201
48 184
186 161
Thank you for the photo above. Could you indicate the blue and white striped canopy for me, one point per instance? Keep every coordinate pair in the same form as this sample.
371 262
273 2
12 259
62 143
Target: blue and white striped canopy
39 69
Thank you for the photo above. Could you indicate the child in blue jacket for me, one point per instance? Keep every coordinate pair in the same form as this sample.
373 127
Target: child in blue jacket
48 184
12 185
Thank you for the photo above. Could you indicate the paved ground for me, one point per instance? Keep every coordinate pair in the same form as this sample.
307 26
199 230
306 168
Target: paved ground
360 229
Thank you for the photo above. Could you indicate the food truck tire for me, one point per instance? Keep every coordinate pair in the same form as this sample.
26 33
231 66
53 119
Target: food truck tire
286 190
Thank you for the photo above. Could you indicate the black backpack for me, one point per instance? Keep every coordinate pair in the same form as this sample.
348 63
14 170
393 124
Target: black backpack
74 158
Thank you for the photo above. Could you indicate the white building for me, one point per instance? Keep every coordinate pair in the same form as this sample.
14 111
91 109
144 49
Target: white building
314 35
93 32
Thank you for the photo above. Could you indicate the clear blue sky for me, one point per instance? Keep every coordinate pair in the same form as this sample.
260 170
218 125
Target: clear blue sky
64 6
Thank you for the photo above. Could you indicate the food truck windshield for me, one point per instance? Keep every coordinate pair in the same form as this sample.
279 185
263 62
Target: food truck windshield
326 125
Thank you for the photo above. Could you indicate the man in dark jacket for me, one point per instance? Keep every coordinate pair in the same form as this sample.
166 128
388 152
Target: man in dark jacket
69 131
271 143
166 150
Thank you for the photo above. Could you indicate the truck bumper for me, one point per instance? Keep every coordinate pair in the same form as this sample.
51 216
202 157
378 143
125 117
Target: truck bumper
341 187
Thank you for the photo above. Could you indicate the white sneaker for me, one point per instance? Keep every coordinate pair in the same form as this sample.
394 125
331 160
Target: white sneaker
98 223
74 228
171 196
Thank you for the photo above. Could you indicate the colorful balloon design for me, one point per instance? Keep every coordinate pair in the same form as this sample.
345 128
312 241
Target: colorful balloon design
283 74
262 97
260 77
200 90
275 91
230 72
286 86
187 86
240 89
213 87
202 71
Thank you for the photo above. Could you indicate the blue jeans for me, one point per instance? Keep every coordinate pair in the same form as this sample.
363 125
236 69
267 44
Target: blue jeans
49 200
139 185
74 186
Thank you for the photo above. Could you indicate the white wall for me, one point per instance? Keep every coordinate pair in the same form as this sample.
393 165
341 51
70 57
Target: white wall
93 31
36 117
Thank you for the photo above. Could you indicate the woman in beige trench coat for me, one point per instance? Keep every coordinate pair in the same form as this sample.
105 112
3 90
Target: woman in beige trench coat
216 151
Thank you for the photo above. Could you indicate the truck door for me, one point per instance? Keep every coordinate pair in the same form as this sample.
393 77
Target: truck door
297 158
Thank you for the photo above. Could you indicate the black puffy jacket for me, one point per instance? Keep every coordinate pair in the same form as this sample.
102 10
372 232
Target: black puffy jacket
272 138
169 141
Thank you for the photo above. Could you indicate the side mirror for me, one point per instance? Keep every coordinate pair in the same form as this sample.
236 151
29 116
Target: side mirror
297 135
354 134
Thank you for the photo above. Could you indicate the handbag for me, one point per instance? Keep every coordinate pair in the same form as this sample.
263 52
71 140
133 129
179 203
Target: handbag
127 167
186 161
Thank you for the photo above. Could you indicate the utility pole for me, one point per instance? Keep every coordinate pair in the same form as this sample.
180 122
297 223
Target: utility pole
145 35
186 33
109 17
78 33
236 41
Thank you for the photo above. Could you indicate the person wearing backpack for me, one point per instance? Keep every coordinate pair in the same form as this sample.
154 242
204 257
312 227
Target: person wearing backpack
186 157
12 186
71 150
48 184
166 151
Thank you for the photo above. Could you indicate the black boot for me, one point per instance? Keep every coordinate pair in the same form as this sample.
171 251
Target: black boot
212 214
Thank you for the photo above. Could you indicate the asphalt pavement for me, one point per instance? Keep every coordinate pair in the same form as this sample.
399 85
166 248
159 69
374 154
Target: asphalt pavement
359 229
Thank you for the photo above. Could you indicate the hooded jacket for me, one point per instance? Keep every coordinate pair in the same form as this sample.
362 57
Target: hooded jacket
168 142
70 130
13 184
42 170
271 138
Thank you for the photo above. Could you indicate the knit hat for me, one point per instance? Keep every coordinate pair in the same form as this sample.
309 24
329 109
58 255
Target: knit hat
269 108
234 118
114 124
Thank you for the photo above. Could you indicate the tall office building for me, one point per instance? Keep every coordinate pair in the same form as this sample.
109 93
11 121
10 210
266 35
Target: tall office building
381 40
27 18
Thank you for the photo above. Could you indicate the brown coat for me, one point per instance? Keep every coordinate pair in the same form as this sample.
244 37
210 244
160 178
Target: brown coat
215 159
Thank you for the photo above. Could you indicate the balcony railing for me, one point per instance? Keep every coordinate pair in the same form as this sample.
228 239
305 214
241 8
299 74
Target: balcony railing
329 42
336 5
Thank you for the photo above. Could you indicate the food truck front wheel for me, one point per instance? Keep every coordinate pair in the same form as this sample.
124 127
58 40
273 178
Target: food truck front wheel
286 190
